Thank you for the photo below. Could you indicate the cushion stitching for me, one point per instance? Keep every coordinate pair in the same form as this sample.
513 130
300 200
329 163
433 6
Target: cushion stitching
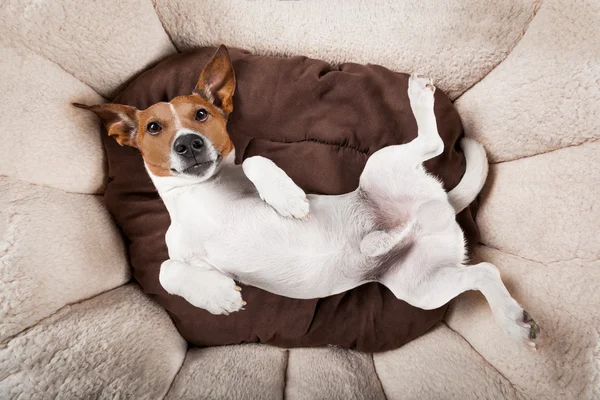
163 26
23 45
18 44
285 373
177 373
318 141
25 181
60 310
385 396
545 263
590 140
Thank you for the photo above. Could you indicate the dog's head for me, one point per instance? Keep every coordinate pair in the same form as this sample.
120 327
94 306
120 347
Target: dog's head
186 137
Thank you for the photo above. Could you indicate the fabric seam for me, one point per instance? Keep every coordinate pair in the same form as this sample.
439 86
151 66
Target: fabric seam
385 396
536 9
590 140
310 140
64 308
518 391
163 26
545 263
285 373
177 373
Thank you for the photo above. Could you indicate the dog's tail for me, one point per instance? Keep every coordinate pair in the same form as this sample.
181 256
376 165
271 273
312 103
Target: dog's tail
474 178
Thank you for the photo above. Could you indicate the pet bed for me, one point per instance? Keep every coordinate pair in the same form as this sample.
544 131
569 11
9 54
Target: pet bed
523 77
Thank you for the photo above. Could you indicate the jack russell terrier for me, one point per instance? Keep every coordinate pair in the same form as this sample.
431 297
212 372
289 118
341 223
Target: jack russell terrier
252 223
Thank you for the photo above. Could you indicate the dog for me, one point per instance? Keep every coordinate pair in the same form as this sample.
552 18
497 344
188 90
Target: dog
253 224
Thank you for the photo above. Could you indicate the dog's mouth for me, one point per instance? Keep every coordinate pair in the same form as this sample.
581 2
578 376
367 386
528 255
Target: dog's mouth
198 166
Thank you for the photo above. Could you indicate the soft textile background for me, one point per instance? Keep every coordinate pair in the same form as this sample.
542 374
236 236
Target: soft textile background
525 77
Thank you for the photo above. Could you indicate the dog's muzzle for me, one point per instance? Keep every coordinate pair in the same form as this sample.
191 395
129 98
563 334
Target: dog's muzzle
194 155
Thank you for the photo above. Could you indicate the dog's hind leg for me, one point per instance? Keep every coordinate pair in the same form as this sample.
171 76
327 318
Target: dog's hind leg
202 286
428 143
443 284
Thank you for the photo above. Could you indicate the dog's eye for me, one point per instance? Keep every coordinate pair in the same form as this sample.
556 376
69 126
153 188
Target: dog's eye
154 128
201 115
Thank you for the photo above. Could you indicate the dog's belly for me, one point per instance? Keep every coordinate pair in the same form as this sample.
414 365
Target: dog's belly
286 266
309 258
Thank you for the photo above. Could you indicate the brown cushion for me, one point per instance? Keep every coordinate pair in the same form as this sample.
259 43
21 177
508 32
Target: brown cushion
320 124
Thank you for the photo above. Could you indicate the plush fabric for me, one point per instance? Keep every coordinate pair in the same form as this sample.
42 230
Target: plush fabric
524 74
231 372
564 298
554 71
56 248
80 352
457 372
314 372
537 114
50 143
103 44
457 43
319 124
563 235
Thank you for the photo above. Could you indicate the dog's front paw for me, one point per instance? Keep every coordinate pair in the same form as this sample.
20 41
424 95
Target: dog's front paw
203 288
221 296
286 198
276 188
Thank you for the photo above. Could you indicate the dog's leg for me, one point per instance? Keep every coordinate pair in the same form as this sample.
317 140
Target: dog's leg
444 284
385 165
426 145
201 286
275 187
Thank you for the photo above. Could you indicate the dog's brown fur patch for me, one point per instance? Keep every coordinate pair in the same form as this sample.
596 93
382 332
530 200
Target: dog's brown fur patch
214 128
156 149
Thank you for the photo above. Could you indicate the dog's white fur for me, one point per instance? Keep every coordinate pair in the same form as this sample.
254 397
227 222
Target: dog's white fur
230 226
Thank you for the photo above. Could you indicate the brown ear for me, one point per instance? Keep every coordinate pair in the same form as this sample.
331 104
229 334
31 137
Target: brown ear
120 121
217 81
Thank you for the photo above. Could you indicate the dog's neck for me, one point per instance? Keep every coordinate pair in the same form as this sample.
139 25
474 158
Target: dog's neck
170 188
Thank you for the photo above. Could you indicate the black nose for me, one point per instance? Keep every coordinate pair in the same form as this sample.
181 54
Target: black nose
188 145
